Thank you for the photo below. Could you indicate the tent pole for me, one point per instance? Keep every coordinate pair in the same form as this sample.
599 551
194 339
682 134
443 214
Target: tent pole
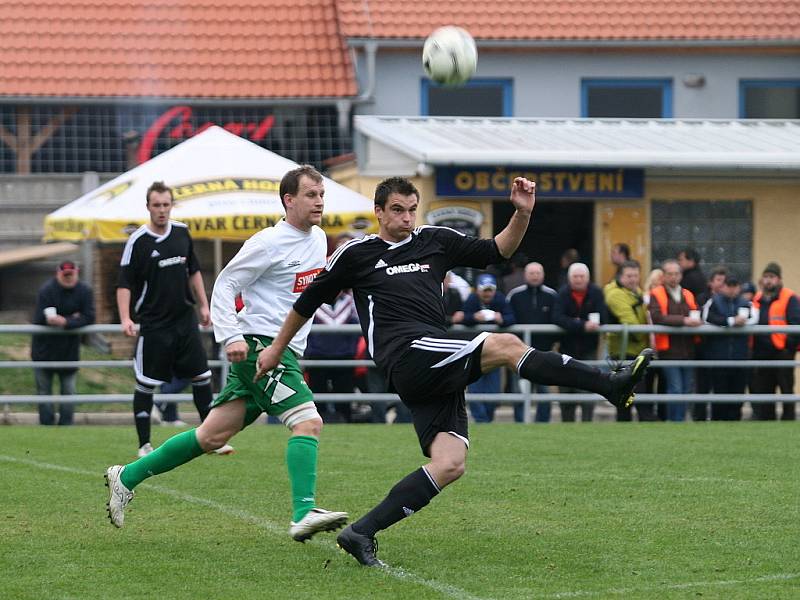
217 257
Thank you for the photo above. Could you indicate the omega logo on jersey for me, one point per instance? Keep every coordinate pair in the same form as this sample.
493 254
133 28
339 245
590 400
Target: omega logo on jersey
302 280
174 260
409 268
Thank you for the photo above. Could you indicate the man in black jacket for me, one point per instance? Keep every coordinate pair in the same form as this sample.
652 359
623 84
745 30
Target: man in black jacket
579 309
532 303
692 278
63 302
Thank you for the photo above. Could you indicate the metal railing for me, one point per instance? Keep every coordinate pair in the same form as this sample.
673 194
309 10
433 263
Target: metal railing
525 396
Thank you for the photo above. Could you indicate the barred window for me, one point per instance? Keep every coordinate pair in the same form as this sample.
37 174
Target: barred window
720 230
113 138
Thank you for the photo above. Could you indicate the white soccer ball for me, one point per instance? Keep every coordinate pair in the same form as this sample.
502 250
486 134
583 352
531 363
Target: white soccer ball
449 56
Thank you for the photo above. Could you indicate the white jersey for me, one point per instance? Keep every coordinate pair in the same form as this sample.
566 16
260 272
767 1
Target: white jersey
270 271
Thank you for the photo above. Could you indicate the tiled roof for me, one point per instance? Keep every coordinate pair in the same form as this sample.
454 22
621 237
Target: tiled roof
173 49
576 19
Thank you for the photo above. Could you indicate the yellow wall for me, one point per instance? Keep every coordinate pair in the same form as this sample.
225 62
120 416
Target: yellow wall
776 219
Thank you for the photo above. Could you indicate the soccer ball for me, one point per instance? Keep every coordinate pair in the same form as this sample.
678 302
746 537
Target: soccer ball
449 56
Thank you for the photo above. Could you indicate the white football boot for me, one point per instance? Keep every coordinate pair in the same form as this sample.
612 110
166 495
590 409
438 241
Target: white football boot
315 521
119 496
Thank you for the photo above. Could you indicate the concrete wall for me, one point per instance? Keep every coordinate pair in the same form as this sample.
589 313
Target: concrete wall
548 84
25 200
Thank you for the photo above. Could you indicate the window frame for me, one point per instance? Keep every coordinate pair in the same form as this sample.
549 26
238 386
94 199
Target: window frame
506 84
744 84
628 82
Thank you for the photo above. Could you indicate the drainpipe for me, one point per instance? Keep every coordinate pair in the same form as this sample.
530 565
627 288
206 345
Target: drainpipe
344 106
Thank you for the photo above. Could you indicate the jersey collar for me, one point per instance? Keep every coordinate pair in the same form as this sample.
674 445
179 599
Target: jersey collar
163 236
393 245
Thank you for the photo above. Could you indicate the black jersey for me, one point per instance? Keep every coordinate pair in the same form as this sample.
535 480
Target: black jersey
156 269
397 286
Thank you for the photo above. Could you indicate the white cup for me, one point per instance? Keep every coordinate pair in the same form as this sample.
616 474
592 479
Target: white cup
744 312
694 314
50 312
487 314
594 318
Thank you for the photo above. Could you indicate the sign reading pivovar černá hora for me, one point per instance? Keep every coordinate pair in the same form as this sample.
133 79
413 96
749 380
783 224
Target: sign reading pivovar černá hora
551 182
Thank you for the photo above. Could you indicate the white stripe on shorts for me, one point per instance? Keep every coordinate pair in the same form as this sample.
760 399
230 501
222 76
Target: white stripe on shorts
469 348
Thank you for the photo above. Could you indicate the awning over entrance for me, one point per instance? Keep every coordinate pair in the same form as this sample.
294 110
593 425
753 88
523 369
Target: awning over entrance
29 253
408 145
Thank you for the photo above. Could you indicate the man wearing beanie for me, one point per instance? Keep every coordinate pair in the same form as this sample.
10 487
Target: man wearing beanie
777 306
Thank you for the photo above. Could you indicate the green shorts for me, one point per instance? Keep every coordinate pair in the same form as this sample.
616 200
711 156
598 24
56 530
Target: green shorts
279 391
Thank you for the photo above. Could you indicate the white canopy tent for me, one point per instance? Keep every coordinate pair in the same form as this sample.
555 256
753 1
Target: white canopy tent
225 188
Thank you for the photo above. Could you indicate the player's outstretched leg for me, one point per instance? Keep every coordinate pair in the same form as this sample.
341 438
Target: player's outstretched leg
552 368
121 479
223 422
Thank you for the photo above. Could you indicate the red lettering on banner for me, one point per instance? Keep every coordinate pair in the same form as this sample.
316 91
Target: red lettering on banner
304 279
176 123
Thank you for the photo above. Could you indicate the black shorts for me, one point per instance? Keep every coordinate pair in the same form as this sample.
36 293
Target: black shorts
431 377
174 350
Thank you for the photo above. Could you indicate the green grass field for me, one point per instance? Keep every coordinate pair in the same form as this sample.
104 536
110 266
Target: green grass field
558 511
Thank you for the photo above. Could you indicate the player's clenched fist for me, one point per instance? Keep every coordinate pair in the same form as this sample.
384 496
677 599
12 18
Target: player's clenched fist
268 359
236 351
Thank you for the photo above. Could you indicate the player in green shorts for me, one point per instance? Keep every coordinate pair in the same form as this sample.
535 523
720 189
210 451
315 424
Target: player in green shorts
270 271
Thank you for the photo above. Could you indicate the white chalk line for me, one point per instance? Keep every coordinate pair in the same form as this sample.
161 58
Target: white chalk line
273 528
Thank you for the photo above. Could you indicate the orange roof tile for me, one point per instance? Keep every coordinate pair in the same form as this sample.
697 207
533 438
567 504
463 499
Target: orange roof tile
549 20
173 49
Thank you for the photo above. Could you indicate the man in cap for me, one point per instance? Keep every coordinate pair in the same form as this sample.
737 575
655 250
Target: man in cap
487 306
777 305
63 302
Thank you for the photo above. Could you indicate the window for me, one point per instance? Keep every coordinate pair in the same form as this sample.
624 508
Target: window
626 98
476 98
720 230
769 99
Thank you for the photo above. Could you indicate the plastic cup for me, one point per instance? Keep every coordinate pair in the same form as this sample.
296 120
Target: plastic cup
50 312
594 318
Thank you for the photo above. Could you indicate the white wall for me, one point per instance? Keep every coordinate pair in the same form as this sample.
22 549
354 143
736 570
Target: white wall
548 84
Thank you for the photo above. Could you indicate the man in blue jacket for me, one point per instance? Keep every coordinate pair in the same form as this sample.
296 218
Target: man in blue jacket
727 308
486 306
580 310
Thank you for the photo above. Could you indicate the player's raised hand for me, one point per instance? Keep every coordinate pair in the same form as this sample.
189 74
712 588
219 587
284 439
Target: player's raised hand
523 194
268 359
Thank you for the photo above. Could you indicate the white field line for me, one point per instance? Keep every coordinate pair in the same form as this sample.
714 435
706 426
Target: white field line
273 528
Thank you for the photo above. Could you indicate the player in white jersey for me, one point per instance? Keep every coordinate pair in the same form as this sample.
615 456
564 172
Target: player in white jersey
270 271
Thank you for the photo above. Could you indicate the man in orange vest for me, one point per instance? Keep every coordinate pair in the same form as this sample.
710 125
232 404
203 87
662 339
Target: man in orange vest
671 304
777 305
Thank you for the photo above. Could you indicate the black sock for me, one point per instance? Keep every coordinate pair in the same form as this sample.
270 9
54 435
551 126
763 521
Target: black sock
552 368
201 394
409 495
142 407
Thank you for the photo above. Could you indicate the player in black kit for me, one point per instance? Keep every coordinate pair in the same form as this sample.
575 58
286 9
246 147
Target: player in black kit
158 274
396 277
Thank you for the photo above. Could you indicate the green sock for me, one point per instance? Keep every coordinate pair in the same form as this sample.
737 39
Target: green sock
177 450
301 458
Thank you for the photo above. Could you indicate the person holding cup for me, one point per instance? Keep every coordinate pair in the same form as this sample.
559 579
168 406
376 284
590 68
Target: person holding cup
727 308
63 302
487 306
673 305
579 309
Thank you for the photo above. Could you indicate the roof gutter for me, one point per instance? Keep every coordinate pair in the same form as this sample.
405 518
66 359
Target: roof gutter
158 100
416 43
